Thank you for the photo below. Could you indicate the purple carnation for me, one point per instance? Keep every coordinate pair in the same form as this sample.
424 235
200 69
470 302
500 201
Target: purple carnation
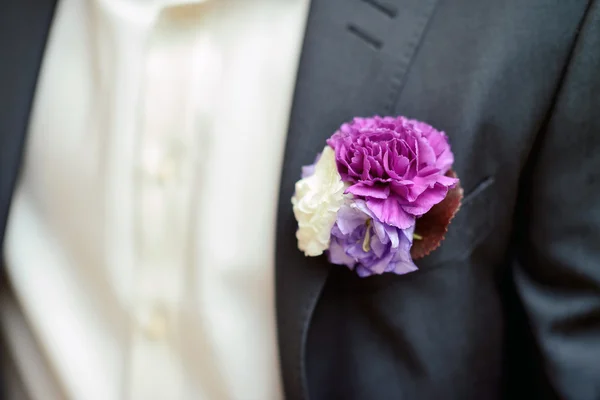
396 165
363 243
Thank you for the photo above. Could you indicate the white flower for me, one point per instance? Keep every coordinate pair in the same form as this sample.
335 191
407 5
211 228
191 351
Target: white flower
316 202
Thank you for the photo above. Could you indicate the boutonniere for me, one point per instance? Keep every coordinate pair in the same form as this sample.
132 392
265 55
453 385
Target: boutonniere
380 195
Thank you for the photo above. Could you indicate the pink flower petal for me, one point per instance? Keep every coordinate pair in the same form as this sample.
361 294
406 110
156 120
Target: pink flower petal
426 200
368 189
390 212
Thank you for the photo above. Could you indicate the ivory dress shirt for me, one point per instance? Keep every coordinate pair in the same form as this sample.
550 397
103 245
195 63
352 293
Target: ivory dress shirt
141 238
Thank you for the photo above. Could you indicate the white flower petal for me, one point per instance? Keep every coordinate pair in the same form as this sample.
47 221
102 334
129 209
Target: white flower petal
316 202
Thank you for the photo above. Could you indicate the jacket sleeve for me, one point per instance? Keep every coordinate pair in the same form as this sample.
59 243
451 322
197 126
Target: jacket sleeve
557 269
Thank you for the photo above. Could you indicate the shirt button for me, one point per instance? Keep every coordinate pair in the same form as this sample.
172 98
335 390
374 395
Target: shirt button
154 324
159 166
166 170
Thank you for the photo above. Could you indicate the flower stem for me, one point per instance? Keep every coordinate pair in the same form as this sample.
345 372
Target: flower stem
367 241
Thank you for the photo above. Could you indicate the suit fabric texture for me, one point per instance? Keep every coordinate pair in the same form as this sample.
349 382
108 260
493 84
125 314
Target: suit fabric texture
509 306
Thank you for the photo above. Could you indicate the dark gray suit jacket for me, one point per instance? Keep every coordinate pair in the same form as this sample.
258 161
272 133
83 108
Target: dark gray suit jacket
509 306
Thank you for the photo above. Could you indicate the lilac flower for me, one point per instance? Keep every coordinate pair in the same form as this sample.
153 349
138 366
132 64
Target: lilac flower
363 243
396 165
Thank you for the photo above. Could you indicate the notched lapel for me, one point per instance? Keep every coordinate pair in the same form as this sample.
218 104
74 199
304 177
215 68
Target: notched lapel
355 57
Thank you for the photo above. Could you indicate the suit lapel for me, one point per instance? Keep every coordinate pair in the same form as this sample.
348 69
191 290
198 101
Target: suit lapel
24 26
354 62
